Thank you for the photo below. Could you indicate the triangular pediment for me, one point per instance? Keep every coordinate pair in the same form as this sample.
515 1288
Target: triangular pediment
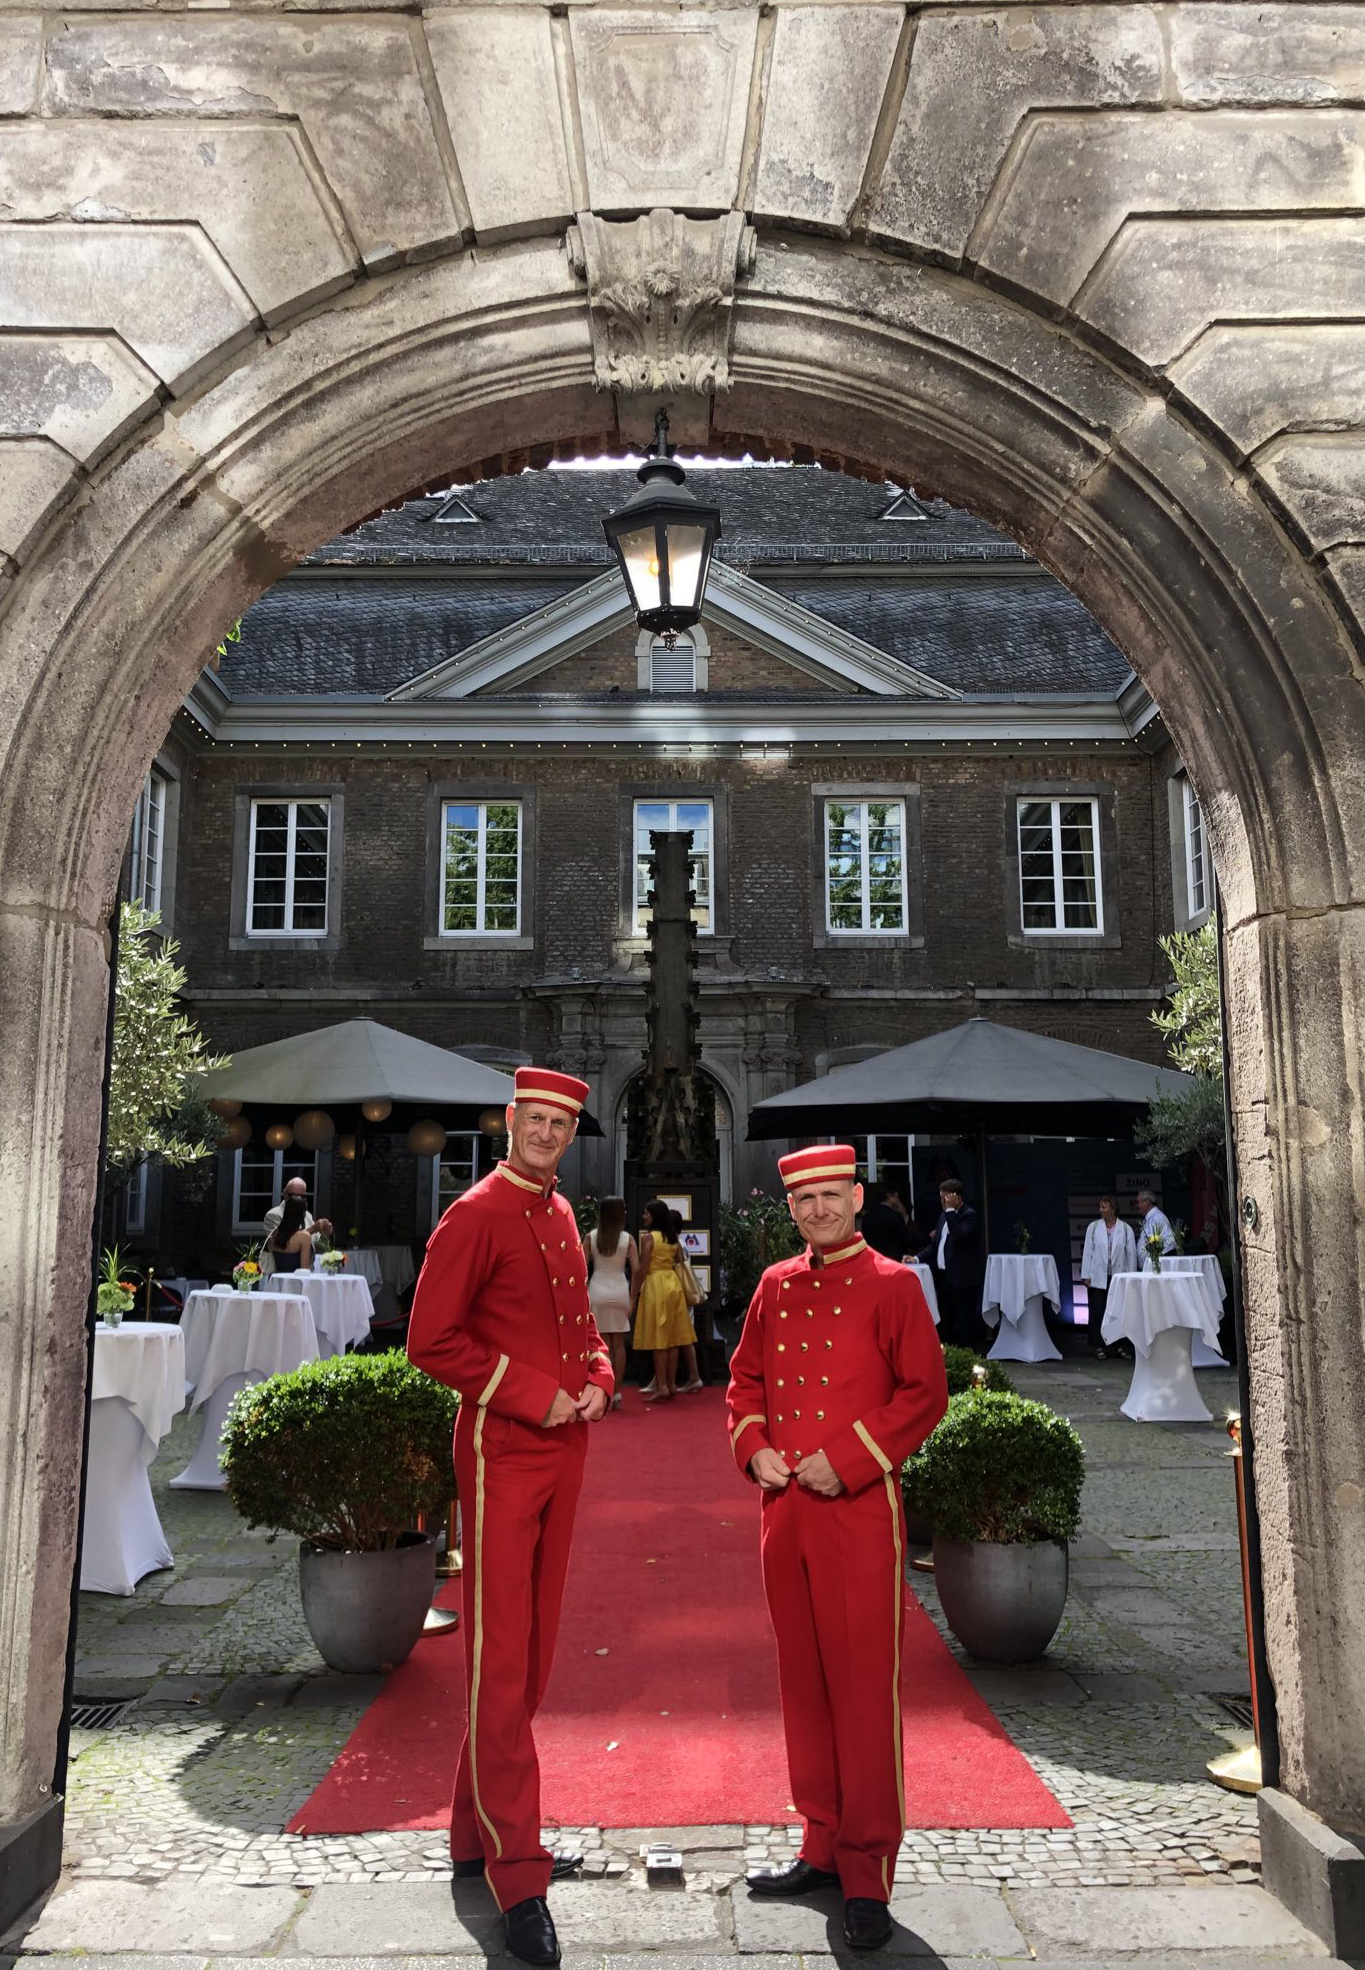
825 655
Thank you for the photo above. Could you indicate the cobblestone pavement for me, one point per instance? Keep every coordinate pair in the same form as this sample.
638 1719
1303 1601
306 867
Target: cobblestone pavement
236 1718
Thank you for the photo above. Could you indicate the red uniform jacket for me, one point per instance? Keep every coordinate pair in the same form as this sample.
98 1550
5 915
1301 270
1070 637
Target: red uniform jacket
841 1357
501 1309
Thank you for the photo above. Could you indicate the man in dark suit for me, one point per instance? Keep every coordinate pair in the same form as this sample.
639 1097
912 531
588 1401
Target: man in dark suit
958 1258
884 1222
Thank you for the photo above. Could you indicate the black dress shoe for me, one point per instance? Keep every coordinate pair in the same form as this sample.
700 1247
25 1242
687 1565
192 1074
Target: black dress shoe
561 1867
867 1924
530 1931
799 1878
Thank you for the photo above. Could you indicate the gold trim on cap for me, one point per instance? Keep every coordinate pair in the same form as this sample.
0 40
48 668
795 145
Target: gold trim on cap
813 1172
553 1096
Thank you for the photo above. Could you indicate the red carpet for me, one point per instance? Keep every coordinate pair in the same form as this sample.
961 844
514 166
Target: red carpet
662 1709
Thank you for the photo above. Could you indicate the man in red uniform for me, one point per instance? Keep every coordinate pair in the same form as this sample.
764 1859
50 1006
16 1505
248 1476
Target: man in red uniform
837 1378
501 1313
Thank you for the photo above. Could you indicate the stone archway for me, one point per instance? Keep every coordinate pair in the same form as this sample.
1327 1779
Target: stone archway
1104 382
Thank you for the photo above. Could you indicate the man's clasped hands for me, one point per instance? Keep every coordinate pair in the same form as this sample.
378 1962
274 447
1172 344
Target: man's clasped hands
585 1408
813 1473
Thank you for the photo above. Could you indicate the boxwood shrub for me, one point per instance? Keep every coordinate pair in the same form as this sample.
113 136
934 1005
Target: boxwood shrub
347 1453
1001 1469
958 1365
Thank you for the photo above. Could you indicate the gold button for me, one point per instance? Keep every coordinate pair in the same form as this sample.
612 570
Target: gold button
797 1414
801 1381
805 1346
562 1244
549 1210
796 1453
781 1418
819 1415
582 1357
554 1282
824 1381
782 1347
543 1246
561 1320
780 1383
786 1285
810 1313
566 1357
815 1285
829 1344
782 1313
578 1318
572 1280
837 1309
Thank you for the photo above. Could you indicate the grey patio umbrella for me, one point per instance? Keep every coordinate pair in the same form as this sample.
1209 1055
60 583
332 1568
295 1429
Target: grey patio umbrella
339 1067
977 1078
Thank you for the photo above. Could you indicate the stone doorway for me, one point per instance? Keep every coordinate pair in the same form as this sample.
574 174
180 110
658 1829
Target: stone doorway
1106 384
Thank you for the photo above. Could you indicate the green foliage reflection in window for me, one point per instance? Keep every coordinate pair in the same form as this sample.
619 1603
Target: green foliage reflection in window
481 868
865 865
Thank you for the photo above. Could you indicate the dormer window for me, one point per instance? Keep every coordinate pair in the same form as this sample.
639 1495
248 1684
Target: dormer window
904 507
454 513
683 669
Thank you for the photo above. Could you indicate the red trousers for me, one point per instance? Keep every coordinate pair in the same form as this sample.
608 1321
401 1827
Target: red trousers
518 1489
834 1580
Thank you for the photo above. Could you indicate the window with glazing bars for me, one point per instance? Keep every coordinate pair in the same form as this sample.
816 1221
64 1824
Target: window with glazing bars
865 865
149 827
1196 866
287 886
675 817
481 868
1059 873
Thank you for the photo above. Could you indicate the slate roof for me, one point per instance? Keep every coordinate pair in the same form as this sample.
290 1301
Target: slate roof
538 535
770 513
987 638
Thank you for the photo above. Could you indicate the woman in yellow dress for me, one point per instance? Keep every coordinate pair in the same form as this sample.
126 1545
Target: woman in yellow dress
662 1321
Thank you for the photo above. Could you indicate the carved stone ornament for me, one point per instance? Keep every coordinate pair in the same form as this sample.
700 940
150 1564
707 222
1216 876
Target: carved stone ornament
661 290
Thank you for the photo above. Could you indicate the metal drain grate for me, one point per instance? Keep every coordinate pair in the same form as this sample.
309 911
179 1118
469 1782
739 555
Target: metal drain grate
90 1713
1238 1708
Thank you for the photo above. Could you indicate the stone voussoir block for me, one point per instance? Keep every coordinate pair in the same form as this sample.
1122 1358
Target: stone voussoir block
495 66
810 169
81 391
356 85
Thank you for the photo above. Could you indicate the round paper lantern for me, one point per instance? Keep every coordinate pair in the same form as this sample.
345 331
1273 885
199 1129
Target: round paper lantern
279 1135
346 1148
227 1109
493 1121
426 1138
236 1135
314 1129
376 1111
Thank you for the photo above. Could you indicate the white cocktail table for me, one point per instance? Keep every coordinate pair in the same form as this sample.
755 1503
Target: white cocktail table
251 1335
1206 1267
341 1304
925 1276
137 1389
1018 1284
1159 1312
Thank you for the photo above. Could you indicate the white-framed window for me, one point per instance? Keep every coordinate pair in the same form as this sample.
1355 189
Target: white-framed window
1196 858
865 866
675 669
675 817
133 1201
481 868
1059 866
147 850
259 1175
287 868
454 1171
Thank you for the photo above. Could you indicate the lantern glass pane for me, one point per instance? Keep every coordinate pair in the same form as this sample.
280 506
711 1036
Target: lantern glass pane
639 551
686 558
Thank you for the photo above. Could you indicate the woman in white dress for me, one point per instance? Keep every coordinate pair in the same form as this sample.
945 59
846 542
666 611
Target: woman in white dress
1110 1248
611 1252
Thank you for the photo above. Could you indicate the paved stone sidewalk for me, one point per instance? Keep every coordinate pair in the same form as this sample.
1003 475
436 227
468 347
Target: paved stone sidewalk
236 1719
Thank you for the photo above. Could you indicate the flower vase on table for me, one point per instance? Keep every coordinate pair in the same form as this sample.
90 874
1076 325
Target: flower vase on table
114 1295
331 1261
1155 1245
246 1274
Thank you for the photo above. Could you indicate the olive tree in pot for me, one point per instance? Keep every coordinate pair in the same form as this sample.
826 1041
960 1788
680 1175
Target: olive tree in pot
961 1366
348 1454
1002 1480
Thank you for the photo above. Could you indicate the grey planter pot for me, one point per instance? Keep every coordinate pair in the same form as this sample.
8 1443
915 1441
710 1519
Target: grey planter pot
1004 1603
365 1610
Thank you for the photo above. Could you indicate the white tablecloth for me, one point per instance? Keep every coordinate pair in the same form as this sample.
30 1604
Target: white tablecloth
196 1324
145 1364
925 1276
1206 1267
1142 1305
381 1265
1014 1278
137 1387
341 1305
256 1334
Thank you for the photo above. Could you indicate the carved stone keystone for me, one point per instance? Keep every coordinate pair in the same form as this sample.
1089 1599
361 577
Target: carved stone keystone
661 293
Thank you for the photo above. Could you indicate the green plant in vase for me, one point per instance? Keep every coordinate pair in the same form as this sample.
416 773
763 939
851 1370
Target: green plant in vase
1154 1245
247 1271
114 1294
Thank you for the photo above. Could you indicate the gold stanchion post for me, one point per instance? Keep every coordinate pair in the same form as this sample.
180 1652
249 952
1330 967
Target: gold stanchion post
1240 1771
445 1620
450 1561
147 1309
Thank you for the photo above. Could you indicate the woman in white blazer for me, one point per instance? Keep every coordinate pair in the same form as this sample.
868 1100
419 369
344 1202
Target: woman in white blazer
1110 1247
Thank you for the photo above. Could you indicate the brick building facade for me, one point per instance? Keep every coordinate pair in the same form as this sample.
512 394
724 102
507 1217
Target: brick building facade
925 785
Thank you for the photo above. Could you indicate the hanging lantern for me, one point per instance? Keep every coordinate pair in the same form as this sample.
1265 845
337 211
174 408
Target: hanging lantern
279 1135
493 1121
314 1129
227 1109
376 1111
663 540
236 1135
426 1138
346 1148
